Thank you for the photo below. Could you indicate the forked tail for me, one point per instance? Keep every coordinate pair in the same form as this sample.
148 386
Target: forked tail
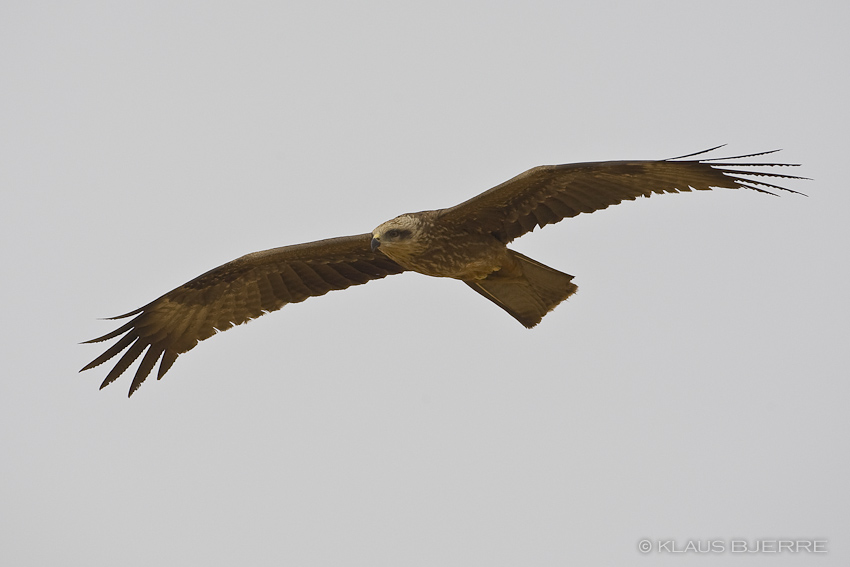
529 294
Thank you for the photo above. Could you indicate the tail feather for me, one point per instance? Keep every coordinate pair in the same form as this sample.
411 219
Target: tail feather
528 293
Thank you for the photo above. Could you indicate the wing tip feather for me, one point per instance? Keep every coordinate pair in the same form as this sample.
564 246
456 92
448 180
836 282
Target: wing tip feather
696 153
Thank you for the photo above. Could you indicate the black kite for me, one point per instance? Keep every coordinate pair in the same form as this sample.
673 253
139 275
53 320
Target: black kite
466 242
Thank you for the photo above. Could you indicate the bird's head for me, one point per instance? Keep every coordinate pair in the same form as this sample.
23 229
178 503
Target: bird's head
399 235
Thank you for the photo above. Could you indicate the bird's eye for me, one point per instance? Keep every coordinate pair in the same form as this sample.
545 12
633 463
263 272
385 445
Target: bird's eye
393 233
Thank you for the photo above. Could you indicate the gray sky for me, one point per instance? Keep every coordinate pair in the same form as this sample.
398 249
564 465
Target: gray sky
694 389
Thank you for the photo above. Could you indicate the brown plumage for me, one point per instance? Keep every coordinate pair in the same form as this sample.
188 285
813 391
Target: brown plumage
465 242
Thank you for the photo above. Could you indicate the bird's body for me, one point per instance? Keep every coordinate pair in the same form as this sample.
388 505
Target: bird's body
432 244
428 246
467 242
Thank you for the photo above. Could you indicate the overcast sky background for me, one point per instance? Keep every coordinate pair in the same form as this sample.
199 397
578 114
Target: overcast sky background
696 388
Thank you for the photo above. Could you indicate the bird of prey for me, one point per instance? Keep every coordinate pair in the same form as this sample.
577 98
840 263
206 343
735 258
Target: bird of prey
467 242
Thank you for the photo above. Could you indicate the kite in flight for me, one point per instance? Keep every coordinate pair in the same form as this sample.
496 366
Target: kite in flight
467 242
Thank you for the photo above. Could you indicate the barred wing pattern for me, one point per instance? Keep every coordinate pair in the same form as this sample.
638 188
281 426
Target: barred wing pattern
235 293
550 193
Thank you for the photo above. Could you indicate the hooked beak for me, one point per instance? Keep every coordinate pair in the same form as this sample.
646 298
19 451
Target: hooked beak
375 243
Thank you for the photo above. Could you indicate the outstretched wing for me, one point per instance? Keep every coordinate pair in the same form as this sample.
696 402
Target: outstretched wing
235 293
549 193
